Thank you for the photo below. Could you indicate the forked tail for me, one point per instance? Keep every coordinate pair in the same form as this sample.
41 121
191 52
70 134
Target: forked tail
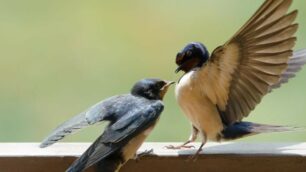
242 129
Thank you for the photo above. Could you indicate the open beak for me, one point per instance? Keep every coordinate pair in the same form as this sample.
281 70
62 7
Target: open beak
164 89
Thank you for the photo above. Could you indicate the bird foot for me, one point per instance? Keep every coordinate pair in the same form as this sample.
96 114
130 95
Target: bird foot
179 147
193 157
196 155
144 153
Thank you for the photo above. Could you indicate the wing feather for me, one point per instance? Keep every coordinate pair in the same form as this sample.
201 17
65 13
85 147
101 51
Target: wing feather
255 59
279 24
271 58
277 36
295 64
91 116
119 134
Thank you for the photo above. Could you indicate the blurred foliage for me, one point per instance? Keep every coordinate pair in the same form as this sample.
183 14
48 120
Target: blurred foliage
59 57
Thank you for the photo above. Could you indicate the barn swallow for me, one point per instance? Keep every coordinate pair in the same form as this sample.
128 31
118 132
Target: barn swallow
131 118
217 91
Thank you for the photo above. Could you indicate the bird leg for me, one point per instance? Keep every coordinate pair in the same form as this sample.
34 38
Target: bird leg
195 156
191 139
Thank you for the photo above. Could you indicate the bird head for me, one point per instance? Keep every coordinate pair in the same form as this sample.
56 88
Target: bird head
193 55
153 89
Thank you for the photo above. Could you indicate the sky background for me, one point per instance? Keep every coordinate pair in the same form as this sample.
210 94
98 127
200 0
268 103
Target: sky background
57 58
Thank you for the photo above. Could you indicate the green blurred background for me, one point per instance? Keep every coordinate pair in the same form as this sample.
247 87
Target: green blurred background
59 57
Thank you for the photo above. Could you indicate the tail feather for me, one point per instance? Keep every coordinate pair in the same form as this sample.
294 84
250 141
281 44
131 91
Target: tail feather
107 157
108 164
241 129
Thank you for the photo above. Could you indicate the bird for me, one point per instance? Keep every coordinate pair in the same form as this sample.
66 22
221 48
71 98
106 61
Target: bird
218 90
131 118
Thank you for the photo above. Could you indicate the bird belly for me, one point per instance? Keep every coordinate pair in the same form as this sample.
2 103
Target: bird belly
198 108
133 145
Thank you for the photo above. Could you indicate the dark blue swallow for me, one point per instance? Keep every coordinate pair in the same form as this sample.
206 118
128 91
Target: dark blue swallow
131 118
217 91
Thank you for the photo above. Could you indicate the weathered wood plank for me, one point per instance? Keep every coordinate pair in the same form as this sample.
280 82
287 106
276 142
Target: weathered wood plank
281 157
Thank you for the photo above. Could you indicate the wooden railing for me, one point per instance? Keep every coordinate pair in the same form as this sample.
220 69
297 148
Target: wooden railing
248 157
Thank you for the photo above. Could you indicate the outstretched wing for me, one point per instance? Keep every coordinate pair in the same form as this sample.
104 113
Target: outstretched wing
253 61
118 135
91 116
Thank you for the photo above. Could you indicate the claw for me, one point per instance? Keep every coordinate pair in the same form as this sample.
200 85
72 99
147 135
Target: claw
196 155
142 154
189 147
179 147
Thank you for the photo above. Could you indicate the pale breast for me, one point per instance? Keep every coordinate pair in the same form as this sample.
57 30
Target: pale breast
133 145
196 105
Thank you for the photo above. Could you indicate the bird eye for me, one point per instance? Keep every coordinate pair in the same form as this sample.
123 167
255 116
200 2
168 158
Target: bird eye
189 53
161 84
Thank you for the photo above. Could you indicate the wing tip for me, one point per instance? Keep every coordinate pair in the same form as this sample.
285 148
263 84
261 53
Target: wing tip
44 144
301 52
294 13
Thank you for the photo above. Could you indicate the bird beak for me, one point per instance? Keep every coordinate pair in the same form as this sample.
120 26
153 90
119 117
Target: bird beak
179 58
164 89
178 69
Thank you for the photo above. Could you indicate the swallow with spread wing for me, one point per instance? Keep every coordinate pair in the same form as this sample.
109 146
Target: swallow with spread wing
217 91
132 117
